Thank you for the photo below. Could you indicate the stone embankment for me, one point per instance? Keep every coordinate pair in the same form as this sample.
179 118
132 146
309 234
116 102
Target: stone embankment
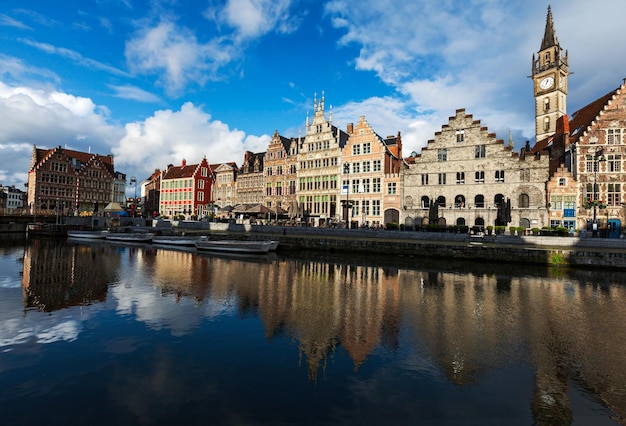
544 250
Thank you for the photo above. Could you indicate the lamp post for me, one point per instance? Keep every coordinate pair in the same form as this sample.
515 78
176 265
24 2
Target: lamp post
346 171
133 181
597 157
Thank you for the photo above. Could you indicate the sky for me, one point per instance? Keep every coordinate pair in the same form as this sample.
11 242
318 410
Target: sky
154 82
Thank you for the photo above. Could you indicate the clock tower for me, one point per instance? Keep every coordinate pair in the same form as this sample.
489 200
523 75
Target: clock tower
549 74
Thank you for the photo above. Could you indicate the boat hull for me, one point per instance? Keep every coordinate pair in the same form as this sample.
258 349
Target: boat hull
232 246
130 237
174 240
90 235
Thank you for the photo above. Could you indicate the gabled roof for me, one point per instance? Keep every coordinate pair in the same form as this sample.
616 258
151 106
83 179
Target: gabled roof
179 172
83 158
582 119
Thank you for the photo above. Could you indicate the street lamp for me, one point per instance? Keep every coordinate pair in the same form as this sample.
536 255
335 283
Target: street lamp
133 181
597 157
346 170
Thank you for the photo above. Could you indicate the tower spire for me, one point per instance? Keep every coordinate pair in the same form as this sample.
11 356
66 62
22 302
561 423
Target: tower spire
549 36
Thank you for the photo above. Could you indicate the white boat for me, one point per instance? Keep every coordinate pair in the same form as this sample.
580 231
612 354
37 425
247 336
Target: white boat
130 237
274 245
176 240
92 235
235 246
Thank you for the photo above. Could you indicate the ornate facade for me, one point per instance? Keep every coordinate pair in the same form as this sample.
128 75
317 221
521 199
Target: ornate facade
319 162
250 178
63 181
465 174
370 180
281 167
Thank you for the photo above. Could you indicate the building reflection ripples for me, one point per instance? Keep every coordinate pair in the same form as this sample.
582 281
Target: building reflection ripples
568 327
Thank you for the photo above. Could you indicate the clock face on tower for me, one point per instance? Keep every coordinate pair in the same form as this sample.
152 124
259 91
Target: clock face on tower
546 83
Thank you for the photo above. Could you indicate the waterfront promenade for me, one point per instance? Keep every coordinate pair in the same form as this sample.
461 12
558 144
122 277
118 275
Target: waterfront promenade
531 249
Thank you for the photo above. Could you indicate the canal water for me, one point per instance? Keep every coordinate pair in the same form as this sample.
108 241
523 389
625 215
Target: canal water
104 334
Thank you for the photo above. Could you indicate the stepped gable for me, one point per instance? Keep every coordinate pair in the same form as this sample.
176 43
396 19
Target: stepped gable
41 155
584 117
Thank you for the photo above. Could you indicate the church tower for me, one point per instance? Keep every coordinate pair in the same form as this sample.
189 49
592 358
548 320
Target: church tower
549 74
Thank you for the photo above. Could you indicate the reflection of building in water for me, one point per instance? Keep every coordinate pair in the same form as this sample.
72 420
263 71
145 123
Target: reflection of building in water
182 273
325 305
57 276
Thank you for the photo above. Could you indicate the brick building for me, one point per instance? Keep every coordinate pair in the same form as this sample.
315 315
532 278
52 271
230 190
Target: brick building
250 178
370 179
280 178
186 190
64 181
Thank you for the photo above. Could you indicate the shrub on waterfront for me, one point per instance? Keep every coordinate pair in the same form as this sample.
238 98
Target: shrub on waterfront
391 226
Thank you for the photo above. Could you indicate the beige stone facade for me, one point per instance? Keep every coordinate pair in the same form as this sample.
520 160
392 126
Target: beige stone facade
467 173
562 194
319 169
225 184
250 179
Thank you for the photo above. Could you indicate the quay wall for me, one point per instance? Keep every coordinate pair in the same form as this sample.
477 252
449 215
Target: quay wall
543 250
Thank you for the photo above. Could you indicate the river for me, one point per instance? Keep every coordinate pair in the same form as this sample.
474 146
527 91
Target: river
101 334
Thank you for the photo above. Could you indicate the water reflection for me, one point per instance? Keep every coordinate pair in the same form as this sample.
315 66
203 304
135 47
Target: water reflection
434 320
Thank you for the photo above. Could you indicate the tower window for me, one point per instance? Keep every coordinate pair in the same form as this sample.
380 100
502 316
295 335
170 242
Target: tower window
546 104
546 124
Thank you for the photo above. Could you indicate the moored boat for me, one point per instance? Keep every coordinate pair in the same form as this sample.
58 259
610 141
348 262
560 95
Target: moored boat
130 237
234 246
87 234
274 245
177 240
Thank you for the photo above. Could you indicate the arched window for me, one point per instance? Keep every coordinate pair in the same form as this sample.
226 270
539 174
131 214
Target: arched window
546 124
460 221
441 201
524 223
479 221
546 104
459 201
408 201
425 202
479 201
499 198
524 201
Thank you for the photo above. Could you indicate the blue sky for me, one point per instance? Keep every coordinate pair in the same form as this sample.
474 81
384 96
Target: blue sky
153 82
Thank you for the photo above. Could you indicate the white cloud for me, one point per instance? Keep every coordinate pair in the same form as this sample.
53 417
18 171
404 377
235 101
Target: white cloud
7 21
177 54
254 18
135 93
169 136
48 118
74 56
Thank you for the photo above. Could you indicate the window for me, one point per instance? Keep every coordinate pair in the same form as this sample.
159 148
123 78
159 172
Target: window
614 163
355 186
459 201
524 201
442 178
546 124
367 148
460 178
376 185
366 207
499 175
200 196
200 184
480 151
562 182
356 149
375 207
366 185
442 154
591 164
356 167
479 177
614 136
376 165
546 104
425 202
424 179
391 188
479 201
460 135
614 194
203 172
366 166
